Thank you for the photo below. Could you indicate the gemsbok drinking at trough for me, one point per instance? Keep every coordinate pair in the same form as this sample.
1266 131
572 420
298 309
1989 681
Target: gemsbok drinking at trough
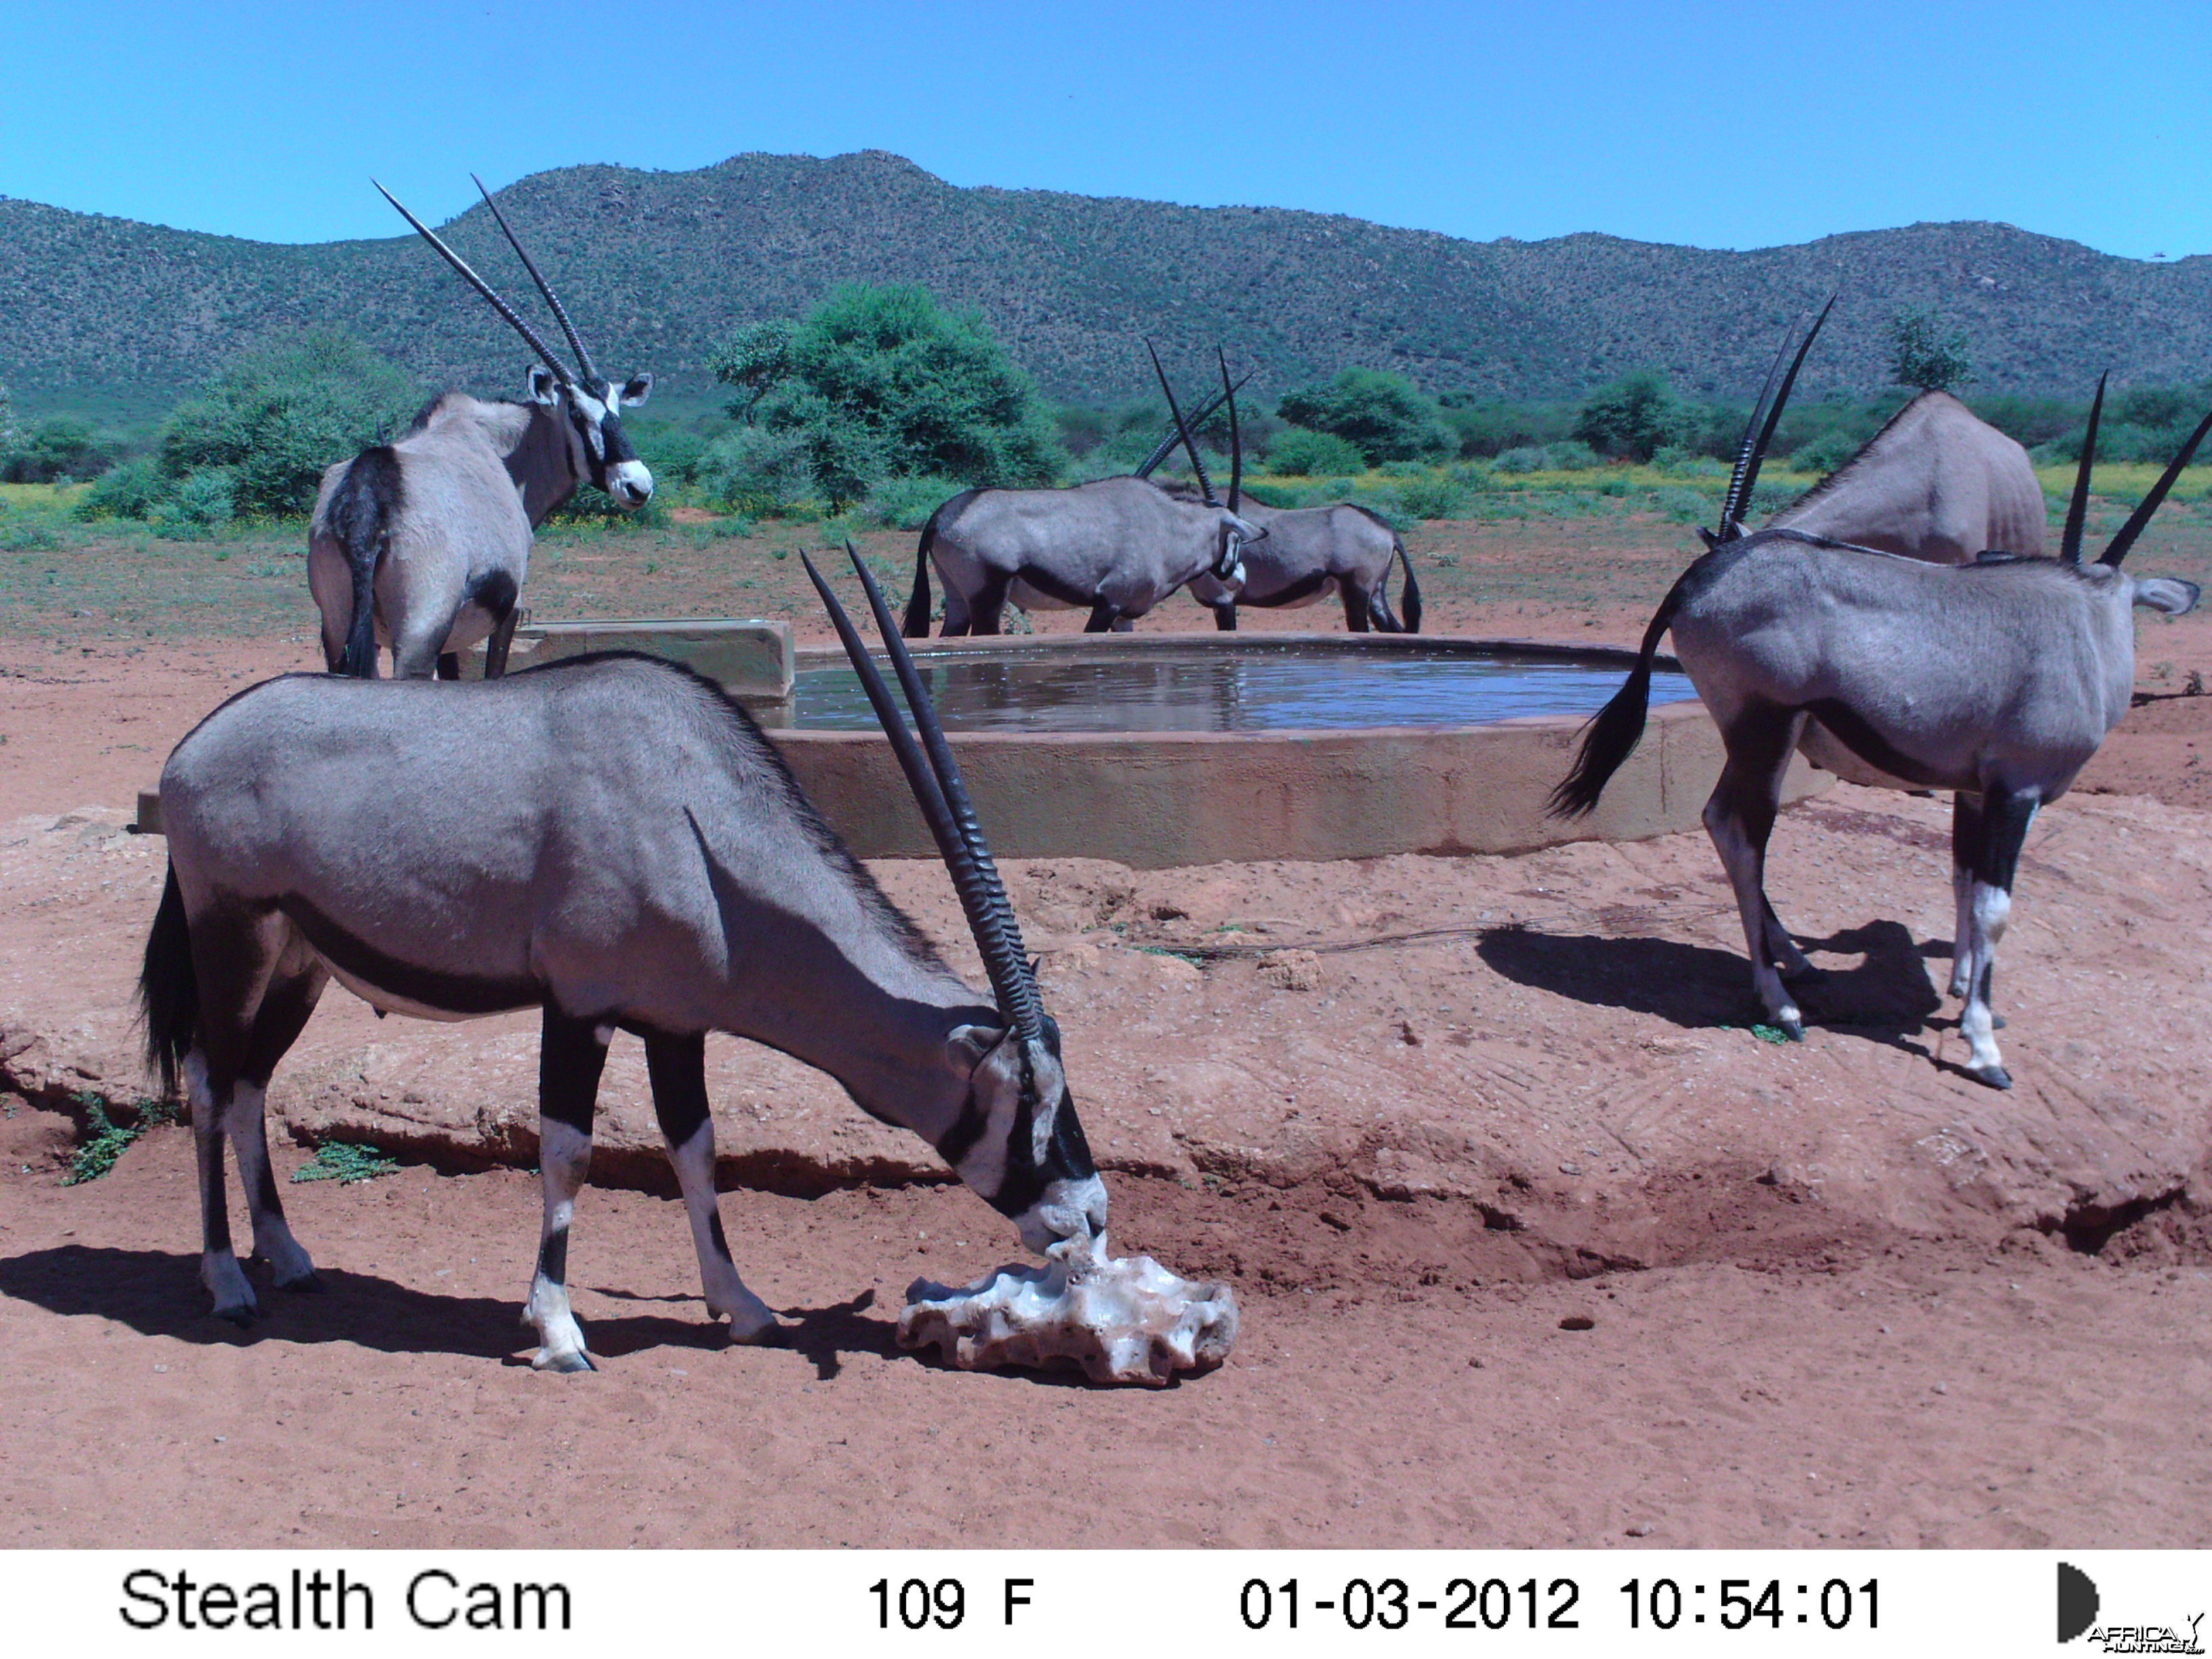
628 853
1311 552
422 544
1997 679
1114 547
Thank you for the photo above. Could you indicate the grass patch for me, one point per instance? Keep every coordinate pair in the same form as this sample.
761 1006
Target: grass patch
106 1140
343 1162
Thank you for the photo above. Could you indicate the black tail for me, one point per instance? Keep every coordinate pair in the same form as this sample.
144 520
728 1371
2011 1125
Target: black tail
1410 603
914 625
168 989
1611 738
360 515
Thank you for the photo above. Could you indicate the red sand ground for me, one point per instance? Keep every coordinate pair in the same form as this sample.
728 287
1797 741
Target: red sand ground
1794 1371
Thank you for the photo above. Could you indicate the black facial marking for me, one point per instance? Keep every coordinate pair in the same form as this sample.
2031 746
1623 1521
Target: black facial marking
1066 1157
553 1256
570 1058
429 988
967 1129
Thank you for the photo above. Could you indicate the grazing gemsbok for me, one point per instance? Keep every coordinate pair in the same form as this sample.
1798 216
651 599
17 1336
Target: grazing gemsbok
629 854
1311 552
1997 679
1115 547
422 544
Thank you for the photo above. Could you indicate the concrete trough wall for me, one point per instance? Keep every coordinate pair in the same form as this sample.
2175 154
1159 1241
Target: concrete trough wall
1159 799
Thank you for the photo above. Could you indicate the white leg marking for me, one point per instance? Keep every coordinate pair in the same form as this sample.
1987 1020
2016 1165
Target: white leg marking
564 1158
1990 909
750 1318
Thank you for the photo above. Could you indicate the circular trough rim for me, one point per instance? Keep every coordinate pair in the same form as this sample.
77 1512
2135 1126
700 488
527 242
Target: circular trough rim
826 655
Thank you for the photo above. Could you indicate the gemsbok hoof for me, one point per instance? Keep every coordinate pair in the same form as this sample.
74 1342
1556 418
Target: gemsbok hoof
1996 1076
566 1364
242 1316
1791 1026
307 1284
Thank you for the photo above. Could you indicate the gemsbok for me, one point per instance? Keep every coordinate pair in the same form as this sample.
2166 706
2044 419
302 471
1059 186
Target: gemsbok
1996 680
628 853
423 543
1115 547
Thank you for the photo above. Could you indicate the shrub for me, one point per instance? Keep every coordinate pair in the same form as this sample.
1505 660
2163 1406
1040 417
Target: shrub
674 453
1384 416
907 503
128 491
1301 453
56 451
880 383
1827 452
278 416
1439 495
1683 506
1637 416
195 505
1919 356
754 472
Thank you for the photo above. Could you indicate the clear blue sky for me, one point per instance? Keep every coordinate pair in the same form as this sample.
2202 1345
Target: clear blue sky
1720 125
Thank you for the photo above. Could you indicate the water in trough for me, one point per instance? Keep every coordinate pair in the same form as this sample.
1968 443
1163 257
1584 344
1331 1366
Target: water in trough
1256 686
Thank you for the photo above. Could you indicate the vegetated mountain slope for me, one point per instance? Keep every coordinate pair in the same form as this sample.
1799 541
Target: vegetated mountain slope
657 266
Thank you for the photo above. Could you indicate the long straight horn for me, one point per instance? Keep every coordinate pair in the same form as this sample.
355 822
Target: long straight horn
1732 503
1236 443
1780 398
2141 516
1182 430
1160 450
2077 510
559 313
537 345
927 795
974 875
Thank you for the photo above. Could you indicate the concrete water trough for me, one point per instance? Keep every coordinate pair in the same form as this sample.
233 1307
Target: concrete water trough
1160 750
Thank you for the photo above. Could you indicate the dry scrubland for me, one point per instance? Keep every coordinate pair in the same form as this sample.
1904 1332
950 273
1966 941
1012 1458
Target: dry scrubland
1540 1244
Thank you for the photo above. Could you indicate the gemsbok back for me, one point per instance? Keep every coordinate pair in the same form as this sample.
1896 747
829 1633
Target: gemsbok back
630 854
1997 679
423 543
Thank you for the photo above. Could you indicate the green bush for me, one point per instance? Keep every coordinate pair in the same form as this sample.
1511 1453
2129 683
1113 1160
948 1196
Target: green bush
1437 495
278 416
883 383
197 505
754 472
907 503
1298 452
1568 455
674 453
1384 416
128 491
1824 454
1920 356
56 451
1636 415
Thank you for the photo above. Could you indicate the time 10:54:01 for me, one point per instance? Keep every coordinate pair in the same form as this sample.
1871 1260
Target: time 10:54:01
1839 1605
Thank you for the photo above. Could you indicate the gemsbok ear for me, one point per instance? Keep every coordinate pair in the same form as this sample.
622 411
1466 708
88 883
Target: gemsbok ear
2167 594
543 387
636 391
965 1049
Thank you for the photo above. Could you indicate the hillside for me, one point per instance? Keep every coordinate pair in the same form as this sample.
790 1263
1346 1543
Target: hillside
657 266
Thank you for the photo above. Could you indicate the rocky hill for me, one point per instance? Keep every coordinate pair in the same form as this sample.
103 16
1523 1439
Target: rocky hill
658 266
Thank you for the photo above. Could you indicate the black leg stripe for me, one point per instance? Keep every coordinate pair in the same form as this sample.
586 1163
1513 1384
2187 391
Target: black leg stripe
266 1189
570 1058
714 1232
677 1068
553 1256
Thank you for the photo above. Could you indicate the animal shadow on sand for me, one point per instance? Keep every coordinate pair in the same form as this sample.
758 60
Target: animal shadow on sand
158 1293
1885 996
